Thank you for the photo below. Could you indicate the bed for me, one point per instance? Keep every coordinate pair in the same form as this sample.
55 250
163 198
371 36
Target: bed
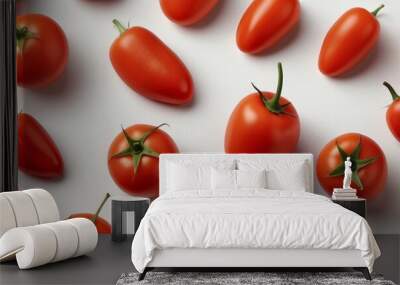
247 211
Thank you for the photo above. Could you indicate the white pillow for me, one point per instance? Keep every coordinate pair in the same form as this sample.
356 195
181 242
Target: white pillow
251 178
223 179
281 175
182 177
187 175
237 179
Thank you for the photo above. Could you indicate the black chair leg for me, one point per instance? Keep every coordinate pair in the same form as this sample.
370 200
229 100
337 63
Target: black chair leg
364 271
142 275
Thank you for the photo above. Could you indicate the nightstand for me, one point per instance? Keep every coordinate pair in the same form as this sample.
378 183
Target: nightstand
126 215
357 205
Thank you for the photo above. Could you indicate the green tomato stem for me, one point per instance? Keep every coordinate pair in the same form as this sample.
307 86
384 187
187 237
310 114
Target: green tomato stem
275 100
376 11
23 34
395 96
119 26
273 104
136 147
96 215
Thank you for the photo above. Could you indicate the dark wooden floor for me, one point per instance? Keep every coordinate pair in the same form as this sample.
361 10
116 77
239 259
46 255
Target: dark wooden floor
102 266
110 260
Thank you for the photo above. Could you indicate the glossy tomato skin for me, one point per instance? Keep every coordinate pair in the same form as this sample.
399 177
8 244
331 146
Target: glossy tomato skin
348 42
253 129
393 118
38 154
42 59
144 183
150 68
187 12
373 176
102 225
265 22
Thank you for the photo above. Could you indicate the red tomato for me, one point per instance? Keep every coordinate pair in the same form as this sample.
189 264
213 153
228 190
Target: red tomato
393 112
133 158
368 164
265 22
187 12
349 41
263 122
42 50
38 155
149 67
102 226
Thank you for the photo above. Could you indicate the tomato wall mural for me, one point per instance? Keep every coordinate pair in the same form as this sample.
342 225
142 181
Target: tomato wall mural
149 67
349 41
38 154
42 50
265 23
133 158
94 87
263 122
187 12
368 164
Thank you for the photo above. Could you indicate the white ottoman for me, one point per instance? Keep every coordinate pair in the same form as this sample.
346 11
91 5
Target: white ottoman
31 233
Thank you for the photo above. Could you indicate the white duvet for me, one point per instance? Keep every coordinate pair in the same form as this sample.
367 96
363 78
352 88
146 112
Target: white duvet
250 219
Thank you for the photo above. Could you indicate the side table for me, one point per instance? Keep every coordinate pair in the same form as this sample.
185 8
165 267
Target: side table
357 205
126 214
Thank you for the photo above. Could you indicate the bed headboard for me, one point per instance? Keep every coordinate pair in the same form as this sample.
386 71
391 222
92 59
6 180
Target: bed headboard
212 157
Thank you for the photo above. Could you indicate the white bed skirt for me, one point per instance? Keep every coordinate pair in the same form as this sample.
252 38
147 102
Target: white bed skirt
193 257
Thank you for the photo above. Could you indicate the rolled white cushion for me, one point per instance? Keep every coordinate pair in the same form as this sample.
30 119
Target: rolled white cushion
67 239
23 208
87 235
7 218
40 244
33 246
46 207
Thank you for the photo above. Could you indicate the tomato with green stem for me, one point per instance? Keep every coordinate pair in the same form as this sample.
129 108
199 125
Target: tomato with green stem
263 122
133 158
42 50
368 164
393 112
150 67
349 41
102 226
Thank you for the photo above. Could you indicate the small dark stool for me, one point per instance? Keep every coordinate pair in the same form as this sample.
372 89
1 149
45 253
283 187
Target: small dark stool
126 214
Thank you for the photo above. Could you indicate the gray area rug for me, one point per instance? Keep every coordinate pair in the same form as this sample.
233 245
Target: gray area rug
233 278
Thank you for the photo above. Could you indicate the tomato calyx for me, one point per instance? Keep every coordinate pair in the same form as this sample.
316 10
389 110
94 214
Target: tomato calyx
273 104
121 29
376 11
395 96
136 147
356 163
23 34
96 215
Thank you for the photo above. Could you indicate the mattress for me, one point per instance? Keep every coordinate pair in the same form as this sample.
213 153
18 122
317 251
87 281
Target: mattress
250 219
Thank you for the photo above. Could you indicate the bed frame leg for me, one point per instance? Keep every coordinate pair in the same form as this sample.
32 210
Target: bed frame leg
143 274
364 271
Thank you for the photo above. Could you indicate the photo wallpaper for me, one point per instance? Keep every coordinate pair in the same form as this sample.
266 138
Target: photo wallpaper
105 86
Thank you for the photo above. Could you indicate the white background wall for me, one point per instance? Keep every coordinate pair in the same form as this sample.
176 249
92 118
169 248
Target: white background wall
83 111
